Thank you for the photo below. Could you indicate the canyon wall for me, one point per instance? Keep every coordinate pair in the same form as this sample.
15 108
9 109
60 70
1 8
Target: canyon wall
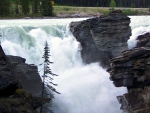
102 38
132 70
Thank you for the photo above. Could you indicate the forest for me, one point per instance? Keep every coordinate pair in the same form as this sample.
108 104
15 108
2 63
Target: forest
13 7
105 3
44 7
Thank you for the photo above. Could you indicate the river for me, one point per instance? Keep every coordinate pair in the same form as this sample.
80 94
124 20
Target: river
83 88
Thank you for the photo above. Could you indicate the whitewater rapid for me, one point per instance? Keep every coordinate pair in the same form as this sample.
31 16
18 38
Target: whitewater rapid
83 88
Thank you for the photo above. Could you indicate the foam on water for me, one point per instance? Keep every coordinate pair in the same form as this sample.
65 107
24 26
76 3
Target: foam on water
83 88
139 25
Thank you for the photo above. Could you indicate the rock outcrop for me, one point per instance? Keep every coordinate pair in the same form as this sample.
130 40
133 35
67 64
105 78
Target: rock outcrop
132 70
8 82
102 38
27 74
143 40
19 84
15 72
21 102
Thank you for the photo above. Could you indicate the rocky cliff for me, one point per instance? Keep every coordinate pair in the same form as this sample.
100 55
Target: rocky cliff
27 74
102 38
132 70
8 82
19 84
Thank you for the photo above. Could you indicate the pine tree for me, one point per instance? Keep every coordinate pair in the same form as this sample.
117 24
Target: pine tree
35 6
47 80
25 6
112 4
16 3
4 7
46 8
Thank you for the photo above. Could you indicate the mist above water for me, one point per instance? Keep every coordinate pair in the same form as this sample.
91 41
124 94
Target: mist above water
83 88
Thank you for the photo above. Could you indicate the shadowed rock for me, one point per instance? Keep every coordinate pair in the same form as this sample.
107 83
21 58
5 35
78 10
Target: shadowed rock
15 74
8 82
102 38
27 75
132 70
143 40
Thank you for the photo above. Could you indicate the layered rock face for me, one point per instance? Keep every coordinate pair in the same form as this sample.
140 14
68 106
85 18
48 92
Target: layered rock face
143 40
14 72
102 38
132 70
27 74
8 82
19 84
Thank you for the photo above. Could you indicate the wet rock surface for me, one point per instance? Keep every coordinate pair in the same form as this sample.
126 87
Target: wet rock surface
20 85
132 70
14 72
143 40
27 74
102 38
8 82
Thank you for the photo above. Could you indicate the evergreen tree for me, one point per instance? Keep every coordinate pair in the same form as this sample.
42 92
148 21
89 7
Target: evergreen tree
16 3
35 6
47 80
25 6
112 4
4 7
132 5
46 8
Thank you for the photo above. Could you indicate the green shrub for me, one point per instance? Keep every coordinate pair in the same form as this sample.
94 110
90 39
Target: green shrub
21 92
66 9
130 12
103 11
111 9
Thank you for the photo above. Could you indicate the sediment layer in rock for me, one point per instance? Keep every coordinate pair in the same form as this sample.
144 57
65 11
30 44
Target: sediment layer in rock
27 74
102 38
132 70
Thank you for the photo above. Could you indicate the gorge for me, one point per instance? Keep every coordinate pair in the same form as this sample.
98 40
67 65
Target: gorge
79 84
128 67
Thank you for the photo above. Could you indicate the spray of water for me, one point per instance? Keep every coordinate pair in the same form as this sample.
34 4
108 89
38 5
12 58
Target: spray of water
83 88
139 26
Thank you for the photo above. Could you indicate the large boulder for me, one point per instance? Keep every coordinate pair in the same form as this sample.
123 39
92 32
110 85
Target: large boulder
15 73
143 40
102 38
132 70
27 74
8 82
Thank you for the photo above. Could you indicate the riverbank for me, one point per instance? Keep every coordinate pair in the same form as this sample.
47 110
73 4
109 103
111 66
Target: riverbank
82 12
88 11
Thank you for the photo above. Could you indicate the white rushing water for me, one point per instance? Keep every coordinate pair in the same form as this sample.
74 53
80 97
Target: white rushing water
139 25
83 88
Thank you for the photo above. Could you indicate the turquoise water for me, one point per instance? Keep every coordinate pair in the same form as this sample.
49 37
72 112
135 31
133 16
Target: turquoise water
83 88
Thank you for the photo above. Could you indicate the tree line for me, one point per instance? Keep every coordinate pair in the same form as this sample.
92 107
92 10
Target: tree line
44 7
105 3
15 7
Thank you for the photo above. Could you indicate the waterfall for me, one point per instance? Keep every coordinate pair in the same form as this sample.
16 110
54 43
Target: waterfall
139 25
83 88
